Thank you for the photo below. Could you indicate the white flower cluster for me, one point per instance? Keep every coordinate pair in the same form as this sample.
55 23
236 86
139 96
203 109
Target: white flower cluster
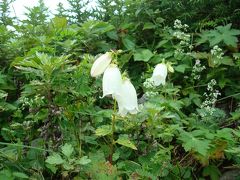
150 86
197 69
148 83
178 25
210 98
151 94
185 38
179 51
120 89
27 102
180 33
217 51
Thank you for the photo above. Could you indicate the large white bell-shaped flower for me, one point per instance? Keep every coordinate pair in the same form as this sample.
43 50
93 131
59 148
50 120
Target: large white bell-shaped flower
101 64
112 81
159 74
127 100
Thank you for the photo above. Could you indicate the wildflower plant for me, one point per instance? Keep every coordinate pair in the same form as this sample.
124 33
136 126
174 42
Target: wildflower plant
210 98
122 92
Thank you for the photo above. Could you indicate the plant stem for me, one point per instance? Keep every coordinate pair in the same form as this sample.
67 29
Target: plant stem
113 130
24 146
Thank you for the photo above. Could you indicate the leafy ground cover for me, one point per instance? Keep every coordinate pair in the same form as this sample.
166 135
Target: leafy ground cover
177 113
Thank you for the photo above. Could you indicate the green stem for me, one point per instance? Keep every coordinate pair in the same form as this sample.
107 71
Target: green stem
113 130
23 146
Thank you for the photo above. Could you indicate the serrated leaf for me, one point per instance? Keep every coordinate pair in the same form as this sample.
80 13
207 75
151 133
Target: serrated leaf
55 159
143 55
52 167
83 161
196 144
67 150
221 34
68 166
103 130
123 140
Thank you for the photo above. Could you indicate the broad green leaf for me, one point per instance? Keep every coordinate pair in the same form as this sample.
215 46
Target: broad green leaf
6 174
181 68
20 175
212 171
83 161
67 150
55 159
143 55
113 35
161 43
227 61
123 140
149 25
128 43
103 130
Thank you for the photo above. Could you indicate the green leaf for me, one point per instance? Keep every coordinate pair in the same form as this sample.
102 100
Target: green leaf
212 171
83 161
161 43
123 140
55 159
113 35
59 22
227 61
221 34
68 166
67 150
191 143
103 130
20 175
52 167
181 68
143 55
149 25
128 43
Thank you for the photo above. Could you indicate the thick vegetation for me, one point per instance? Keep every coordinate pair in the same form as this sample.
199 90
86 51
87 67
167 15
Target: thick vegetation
56 125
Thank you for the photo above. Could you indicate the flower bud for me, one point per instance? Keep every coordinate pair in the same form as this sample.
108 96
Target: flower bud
101 64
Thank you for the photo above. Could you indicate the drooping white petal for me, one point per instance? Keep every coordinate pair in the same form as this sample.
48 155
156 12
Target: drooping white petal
127 100
159 75
112 80
100 64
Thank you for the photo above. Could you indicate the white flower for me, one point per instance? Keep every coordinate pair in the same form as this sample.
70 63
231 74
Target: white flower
101 64
127 100
112 81
159 74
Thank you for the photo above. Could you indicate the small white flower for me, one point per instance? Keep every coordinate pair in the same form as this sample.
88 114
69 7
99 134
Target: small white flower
112 80
159 74
127 100
101 64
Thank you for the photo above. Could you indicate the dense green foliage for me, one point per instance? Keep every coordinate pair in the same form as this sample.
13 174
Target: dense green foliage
54 125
